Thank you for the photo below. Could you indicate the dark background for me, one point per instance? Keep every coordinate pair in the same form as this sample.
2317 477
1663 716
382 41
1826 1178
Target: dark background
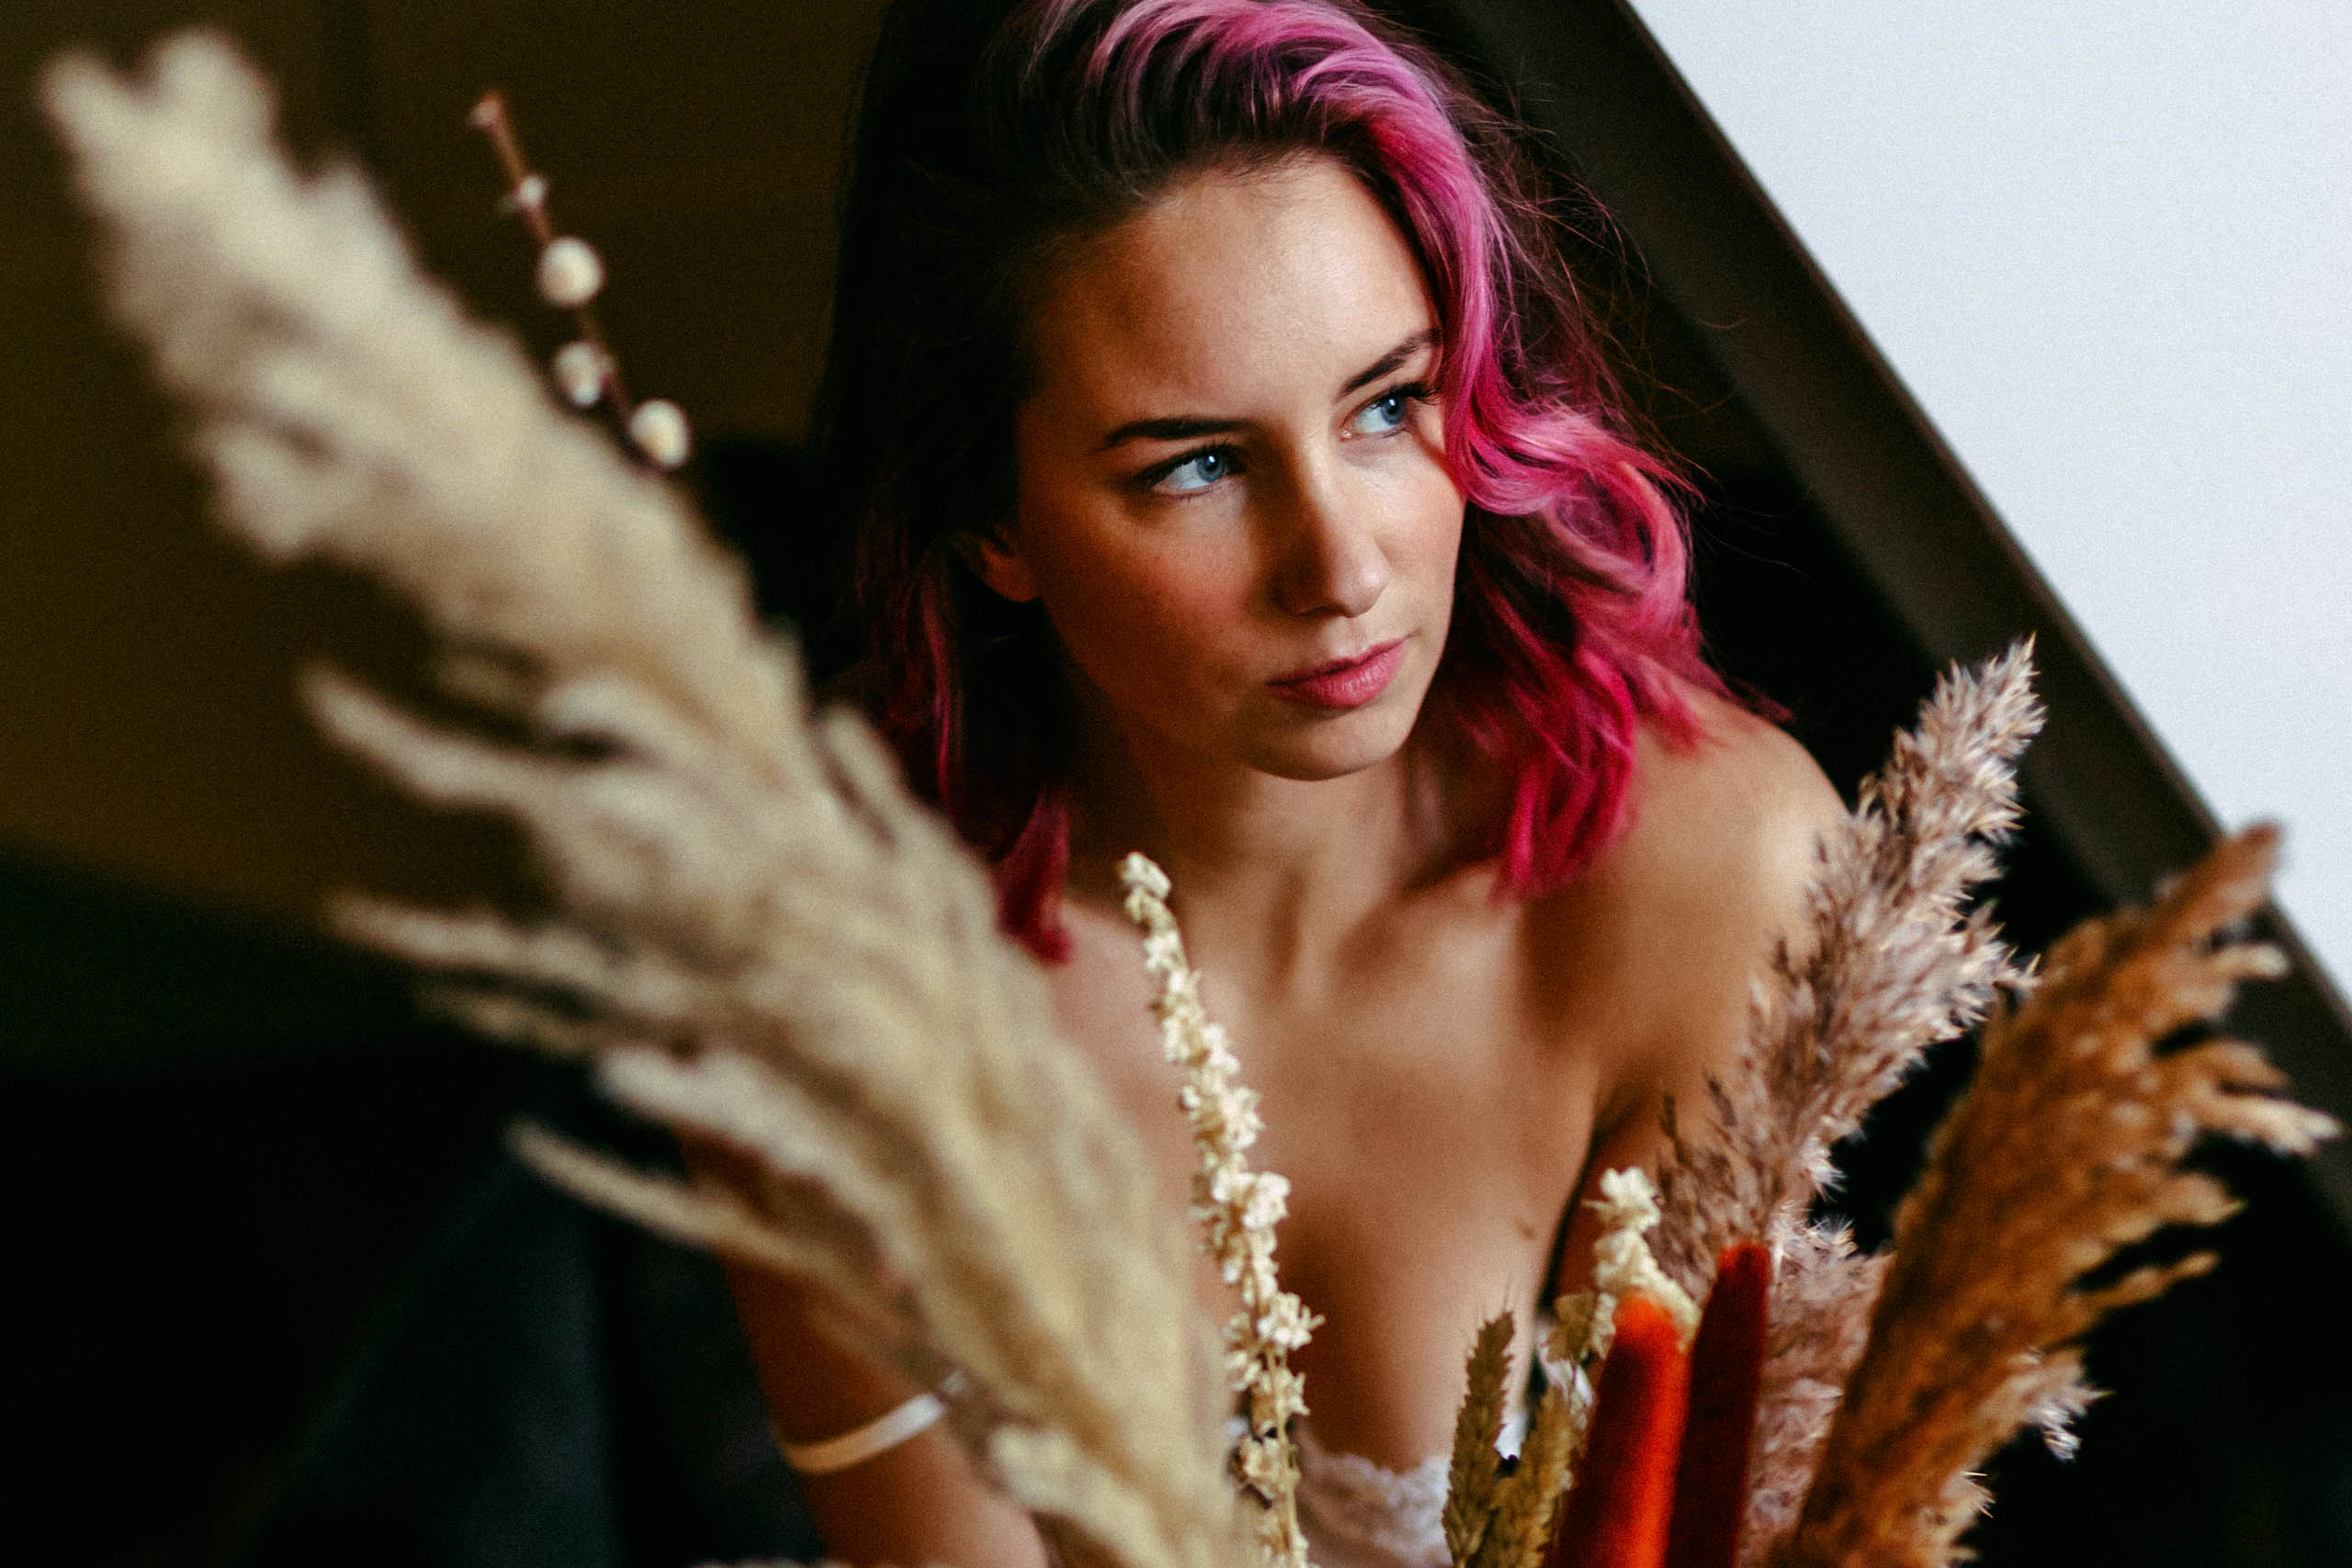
281 1296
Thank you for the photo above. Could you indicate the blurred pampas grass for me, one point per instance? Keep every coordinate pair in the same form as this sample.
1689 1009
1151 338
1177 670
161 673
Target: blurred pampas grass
762 940
2065 1151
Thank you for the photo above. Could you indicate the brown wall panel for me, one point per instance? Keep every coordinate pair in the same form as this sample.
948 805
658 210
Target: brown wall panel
147 668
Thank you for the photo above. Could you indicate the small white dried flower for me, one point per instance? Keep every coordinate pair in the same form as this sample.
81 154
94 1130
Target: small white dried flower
530 192
659 428
1622 1266
580 372
1237 1209
571 272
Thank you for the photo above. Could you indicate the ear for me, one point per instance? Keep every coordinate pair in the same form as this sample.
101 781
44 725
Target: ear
996 560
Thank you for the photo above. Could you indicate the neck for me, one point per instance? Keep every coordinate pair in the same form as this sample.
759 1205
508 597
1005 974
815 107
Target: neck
1270 872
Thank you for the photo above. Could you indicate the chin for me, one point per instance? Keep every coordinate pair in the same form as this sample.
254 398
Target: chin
1332 746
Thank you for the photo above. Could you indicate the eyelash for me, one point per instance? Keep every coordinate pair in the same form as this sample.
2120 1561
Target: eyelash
1151 479
1409 392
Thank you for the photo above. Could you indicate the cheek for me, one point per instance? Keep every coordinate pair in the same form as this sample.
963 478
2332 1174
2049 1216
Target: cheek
1141 615
1441 535
1427 531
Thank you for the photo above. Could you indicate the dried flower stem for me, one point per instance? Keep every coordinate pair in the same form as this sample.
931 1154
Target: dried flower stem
1891 963
2066 1149
1237 1209
656 430
526 195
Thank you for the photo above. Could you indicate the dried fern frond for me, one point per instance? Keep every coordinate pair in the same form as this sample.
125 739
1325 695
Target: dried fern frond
764 940
1892 962
2066 1149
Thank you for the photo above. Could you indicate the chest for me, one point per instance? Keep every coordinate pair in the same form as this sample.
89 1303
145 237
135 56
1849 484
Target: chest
1431 1104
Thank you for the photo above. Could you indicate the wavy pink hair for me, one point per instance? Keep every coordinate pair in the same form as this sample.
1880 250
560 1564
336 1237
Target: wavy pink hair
1571 621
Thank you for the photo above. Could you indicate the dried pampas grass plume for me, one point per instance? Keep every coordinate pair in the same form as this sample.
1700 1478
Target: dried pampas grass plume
2065 1151
1820 1311
761 939
1892 962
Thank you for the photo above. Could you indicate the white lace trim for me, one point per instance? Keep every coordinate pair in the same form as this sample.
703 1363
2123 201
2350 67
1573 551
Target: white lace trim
1358 1514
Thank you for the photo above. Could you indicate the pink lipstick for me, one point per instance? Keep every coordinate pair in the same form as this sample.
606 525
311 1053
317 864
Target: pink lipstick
1347 683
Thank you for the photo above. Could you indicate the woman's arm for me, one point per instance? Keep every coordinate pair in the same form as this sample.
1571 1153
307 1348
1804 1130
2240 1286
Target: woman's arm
919 1502
916 1502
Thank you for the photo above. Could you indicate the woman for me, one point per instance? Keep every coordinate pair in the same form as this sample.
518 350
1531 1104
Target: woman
1233 479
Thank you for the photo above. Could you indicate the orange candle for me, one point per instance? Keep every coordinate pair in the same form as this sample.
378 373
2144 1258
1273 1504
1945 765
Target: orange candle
1620 1507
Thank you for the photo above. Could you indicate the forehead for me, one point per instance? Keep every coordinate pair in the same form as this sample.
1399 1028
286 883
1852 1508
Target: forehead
1235 293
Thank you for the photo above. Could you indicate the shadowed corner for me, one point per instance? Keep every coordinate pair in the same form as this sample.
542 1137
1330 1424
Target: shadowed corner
296 1302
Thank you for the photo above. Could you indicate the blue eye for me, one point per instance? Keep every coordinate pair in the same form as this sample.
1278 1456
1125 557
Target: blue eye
1197 472
1380 415
1387 413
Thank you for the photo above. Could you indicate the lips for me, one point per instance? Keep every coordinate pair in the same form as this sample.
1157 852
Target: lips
1345 684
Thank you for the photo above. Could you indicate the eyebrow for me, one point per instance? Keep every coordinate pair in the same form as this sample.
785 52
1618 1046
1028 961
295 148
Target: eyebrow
1393 359
1188 428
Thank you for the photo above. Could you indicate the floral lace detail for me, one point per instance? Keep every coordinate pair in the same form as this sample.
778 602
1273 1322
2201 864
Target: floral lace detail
1358 1514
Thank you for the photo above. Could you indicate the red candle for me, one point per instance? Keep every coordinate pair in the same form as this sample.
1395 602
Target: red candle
1726 1366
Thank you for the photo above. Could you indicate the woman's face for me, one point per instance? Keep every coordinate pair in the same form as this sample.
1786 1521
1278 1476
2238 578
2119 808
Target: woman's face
1232 501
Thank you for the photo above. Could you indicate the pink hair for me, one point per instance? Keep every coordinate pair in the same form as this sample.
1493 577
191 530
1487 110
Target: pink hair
1571 623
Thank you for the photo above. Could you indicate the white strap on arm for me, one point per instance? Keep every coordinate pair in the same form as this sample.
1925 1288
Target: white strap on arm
857 1445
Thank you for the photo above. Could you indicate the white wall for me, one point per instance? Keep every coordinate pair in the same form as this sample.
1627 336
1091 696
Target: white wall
2108 246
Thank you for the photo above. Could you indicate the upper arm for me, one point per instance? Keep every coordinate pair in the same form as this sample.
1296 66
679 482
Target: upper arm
1712 875
1716 872
919 1502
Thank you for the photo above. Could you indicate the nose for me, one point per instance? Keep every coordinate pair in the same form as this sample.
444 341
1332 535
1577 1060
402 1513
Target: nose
1332 563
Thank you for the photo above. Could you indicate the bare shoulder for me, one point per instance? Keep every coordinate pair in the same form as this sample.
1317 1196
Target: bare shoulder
1742 806
1711 870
